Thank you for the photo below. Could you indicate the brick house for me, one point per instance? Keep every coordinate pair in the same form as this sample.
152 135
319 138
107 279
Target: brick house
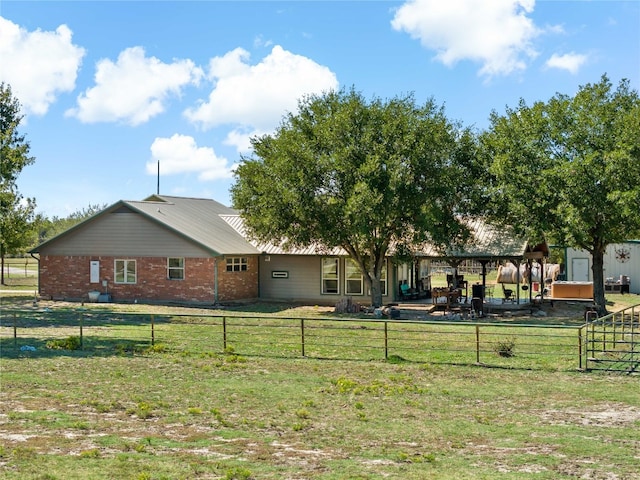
193 250
159 249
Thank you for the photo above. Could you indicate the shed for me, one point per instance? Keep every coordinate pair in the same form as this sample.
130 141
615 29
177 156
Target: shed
621 263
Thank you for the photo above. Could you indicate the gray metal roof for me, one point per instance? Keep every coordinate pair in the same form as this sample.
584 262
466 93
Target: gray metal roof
196 219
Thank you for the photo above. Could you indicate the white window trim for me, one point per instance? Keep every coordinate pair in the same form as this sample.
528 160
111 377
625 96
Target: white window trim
237 262
126 263
323 278
348 263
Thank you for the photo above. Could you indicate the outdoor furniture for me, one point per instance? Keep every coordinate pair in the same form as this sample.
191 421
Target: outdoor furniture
406 292
444 297
508 295
460 284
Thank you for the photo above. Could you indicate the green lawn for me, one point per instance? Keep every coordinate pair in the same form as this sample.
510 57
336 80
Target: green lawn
192 412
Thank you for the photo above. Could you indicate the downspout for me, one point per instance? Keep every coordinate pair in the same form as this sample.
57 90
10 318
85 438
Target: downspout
259 275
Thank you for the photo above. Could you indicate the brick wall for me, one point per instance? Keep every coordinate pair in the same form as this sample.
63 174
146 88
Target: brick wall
68 277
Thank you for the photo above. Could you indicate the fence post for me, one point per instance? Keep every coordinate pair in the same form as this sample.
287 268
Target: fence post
15 330
81 333
580 348
224 334
302 335
153 332
386 341
477 343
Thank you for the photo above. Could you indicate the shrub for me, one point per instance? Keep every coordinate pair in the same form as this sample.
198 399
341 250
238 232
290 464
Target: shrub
505 348
69 343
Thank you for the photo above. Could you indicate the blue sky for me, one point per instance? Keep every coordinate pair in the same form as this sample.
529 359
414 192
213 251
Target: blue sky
110 88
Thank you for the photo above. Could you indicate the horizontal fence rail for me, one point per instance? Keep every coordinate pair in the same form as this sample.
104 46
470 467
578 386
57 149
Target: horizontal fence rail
612 342
33 332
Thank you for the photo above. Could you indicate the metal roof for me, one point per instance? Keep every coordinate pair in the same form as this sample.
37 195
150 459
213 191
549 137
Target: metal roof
236 222
221 230
196 219
487 241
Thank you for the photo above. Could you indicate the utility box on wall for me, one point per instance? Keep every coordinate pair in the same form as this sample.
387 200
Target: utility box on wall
94 271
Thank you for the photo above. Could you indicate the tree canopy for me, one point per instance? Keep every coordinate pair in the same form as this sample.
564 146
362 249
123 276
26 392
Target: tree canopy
16 212
364 176
569 169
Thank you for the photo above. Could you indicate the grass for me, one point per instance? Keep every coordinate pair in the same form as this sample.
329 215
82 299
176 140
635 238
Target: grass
185 410
20 274
179 415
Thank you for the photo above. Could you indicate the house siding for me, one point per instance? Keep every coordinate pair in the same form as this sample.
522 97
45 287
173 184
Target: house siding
68 277
127 233
304 282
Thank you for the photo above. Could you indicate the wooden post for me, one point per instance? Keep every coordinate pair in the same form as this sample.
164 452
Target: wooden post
15 330
302 335
153 332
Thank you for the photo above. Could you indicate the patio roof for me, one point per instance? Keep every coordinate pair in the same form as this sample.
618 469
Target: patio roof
487 242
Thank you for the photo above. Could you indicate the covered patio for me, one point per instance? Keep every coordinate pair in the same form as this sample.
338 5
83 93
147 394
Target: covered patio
487 246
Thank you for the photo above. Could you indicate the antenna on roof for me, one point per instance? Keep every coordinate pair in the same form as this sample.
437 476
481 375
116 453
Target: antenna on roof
158 187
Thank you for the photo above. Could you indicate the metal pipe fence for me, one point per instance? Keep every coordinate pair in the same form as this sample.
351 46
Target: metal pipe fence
612 342
84 332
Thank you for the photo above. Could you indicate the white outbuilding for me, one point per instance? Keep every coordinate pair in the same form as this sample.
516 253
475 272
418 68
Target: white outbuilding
621 267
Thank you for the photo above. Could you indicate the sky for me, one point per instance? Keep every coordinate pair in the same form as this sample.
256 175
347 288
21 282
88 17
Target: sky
109 90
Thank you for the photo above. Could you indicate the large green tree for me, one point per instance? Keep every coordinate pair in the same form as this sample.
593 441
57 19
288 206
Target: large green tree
16 212
569 168
370 177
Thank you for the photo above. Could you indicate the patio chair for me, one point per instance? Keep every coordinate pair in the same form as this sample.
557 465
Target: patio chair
508 295
407 293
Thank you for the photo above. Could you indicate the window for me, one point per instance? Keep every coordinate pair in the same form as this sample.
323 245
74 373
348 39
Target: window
237 264
175 268
330 276
125 271
354 280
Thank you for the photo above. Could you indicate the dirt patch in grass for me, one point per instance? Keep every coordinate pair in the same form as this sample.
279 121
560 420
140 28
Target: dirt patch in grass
605 415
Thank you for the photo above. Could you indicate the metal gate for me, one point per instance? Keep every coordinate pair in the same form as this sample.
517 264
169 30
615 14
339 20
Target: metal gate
612 342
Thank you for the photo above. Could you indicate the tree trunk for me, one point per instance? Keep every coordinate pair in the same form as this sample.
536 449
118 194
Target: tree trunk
597 269
376 290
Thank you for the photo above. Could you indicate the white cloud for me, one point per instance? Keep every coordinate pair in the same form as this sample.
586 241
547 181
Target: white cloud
240 139
181 154
496 33
133 89
38 65
256 97
569 61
